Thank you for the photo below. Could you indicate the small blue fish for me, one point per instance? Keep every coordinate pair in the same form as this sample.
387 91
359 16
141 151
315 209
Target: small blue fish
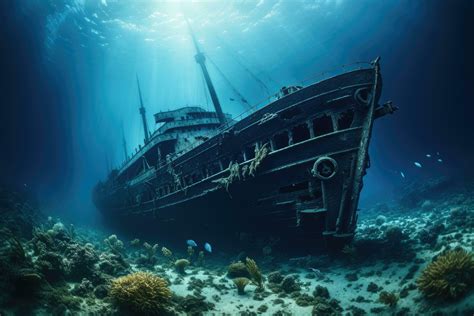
428 155
191 243
417 164
402 174
208 247
440 160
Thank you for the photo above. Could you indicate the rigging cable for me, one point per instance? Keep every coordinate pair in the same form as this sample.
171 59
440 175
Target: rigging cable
238 60
242 99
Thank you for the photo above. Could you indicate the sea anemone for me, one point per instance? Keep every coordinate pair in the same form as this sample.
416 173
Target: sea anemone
241 283
180 264
450 276
141 292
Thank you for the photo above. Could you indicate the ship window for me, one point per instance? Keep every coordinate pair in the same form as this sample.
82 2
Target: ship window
250 152
294 187
290 113
205 172
187 180
345 119
239 157
225 162
323 125
196 177
300 133
214 168
281 140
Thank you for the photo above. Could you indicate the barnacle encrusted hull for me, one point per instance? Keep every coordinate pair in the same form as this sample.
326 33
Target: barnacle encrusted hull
293 168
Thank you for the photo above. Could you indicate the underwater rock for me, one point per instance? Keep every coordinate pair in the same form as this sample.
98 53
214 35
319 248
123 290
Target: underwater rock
112 264
304 300
373 288
275 277
101 291
325 307
450 276
81 260
141 292
380 220
388 298
192 305
321 291
238 270
83 289
52 266
289 284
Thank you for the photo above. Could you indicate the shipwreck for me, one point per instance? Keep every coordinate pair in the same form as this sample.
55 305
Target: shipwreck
293 168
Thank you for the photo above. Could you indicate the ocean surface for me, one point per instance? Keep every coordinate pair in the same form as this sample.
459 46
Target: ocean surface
71 108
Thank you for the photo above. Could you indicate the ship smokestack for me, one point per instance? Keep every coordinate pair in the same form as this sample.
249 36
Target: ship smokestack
142 113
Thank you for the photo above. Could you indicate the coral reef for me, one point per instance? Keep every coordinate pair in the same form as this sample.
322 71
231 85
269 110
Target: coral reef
237 270
114 244
255 274
241 283
449 276
180 265
141 292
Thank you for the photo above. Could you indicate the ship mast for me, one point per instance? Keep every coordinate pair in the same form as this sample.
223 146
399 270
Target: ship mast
124 144
201 60
142 113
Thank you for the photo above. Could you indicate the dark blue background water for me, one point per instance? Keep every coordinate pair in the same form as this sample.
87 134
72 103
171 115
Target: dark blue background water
68 79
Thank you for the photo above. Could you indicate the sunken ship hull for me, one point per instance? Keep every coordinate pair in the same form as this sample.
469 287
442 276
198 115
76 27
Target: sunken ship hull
293 169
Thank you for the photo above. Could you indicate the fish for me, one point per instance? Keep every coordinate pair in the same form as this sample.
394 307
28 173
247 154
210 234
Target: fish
208 247
440 160
191 243
402 174
417 164
428 155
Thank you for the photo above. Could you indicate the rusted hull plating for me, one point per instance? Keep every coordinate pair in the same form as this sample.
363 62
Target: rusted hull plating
312 152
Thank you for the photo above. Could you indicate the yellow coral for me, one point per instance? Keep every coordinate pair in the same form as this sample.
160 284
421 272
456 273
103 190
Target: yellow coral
241 283
254 272
237 269
450 276
141 292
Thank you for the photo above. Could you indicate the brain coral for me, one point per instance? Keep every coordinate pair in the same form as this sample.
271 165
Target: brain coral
450 276
141 292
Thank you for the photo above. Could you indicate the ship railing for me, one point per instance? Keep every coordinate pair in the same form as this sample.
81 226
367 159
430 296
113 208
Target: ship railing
305 82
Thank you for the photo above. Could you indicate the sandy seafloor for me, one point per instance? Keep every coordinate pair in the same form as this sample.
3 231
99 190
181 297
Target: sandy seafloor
395 241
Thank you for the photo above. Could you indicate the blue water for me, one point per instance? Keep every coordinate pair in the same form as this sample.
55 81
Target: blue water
68 90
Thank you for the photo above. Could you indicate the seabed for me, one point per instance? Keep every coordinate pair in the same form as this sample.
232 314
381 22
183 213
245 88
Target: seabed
49 267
